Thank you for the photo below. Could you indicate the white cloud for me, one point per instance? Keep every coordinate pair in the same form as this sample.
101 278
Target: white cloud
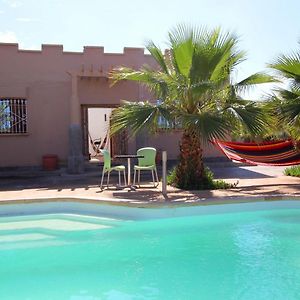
11 37
29 47
8 37
13 3
24 19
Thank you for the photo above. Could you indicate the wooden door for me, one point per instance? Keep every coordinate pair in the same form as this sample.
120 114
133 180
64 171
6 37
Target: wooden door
119 143
85 131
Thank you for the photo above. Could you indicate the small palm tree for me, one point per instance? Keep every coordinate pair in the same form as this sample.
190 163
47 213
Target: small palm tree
285 103
193 81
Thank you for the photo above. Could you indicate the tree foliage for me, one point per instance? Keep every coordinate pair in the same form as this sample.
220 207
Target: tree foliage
194 82
284 104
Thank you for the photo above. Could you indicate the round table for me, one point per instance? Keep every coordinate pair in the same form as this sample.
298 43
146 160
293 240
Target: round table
128 157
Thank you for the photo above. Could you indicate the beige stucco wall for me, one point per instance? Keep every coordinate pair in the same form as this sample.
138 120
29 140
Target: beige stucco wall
169 141
42 77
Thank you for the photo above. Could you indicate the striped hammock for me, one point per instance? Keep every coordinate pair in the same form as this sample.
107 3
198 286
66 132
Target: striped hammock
277 153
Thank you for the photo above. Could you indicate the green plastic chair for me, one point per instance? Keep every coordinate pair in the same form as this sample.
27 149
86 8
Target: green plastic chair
107 168
147 163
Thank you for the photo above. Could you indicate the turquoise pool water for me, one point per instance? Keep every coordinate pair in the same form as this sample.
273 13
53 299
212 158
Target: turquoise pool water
240 255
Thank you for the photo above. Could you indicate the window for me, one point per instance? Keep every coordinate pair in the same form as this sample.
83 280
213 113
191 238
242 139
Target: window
13 116
164 124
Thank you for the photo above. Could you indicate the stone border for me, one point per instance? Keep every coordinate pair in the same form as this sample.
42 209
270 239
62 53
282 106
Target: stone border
156 204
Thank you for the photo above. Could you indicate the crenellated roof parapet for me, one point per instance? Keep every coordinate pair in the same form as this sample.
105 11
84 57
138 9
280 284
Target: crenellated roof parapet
58 49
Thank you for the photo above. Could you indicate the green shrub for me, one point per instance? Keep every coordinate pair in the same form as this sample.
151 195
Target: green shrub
292 171
208 182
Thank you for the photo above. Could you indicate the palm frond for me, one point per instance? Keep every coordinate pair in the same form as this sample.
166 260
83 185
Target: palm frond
253 80
215 57
138 115
158 55
286 101
289 107
193 79
124 73
154 80
249 116
288 65
207 125
181 43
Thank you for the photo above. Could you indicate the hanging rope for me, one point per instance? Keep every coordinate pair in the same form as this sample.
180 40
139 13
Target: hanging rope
98 144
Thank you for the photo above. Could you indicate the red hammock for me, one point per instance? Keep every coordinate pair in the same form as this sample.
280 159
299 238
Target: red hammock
279 153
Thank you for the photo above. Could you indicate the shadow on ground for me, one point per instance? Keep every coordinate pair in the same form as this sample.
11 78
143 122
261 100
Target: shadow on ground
253 181
238 172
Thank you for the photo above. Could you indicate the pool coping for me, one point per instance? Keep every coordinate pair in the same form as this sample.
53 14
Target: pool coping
156 204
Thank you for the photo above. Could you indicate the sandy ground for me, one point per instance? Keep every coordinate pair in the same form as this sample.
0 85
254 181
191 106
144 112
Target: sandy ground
254 182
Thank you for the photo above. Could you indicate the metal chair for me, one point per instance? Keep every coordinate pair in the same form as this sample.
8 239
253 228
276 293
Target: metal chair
107 168
146 163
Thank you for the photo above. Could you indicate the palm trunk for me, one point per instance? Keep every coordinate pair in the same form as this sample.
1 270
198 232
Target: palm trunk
190 171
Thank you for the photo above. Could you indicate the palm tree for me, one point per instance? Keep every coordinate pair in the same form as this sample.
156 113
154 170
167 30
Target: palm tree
194 83
285 103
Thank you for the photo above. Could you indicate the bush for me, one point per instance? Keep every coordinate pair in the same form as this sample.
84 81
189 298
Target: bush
292 171
208 182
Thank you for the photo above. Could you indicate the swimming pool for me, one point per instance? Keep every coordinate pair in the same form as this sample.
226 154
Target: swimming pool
234 251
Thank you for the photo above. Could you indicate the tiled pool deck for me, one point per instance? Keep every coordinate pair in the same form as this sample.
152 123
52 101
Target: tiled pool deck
263 183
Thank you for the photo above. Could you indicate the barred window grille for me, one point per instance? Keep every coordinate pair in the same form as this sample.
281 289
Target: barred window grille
13 116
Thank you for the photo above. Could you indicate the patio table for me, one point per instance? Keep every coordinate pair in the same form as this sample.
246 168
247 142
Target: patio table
129 157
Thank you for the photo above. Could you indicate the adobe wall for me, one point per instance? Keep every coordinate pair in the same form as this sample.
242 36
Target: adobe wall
43 78
169 141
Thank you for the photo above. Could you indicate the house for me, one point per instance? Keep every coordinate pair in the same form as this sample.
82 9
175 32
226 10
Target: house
46 97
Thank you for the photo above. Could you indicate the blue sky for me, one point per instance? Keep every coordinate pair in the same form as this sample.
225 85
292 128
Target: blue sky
266 28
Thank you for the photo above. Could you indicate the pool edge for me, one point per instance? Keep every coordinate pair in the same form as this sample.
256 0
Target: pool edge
154 204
